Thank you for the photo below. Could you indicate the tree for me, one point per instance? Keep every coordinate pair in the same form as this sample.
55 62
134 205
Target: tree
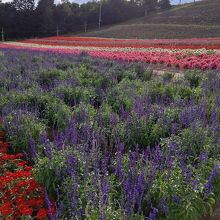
23 5
164 4
150 5
45 16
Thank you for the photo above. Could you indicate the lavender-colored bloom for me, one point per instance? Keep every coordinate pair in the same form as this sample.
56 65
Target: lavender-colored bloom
189 174
214 119
104 164
96 171
152 173
69 200
113 118
47 200
141 186
176 199
75 196
174 128
203 156
71 165
195 184
105 189
153 214
73 132
33 148
119 167
209 184
163 206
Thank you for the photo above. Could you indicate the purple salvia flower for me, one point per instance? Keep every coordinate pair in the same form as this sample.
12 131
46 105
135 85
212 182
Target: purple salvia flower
174 128
119 168
86 170
71 164
152 173
141 186
163 206
69 200
195 184
96 171
104 164
47 200
189 174
105 188
153 214
33 148
218 100
73 132
214 119
209 184
203 156
75 196
113 118
176 199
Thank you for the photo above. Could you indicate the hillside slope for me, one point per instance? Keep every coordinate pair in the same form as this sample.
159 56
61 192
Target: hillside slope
189 20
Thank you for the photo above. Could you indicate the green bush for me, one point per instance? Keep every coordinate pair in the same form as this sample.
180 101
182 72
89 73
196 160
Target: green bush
21 126
194 77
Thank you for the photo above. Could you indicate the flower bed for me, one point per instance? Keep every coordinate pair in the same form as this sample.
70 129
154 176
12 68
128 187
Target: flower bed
109 139
21 196
175 59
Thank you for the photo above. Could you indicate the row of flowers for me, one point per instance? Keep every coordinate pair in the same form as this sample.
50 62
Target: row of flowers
129 43
21 196
190 41
94 48
173 59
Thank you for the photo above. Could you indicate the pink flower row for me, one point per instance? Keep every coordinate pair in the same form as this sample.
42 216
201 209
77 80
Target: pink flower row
180 60
190 41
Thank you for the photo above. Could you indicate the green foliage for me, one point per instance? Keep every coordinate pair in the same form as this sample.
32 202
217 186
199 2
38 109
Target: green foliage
20 127
194 77
45 171
48 78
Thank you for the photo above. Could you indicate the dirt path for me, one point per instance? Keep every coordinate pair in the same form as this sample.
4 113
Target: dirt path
215 215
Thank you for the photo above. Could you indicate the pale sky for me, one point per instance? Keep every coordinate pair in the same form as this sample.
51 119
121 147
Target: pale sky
83 1
76 1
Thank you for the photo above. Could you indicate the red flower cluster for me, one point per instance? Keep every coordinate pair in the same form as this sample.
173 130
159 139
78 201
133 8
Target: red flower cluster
179 60
194 43
169 58
20 194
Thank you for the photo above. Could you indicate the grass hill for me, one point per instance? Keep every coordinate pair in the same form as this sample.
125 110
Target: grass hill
201 19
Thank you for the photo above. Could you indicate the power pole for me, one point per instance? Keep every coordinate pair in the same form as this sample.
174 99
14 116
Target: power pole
85 26
58 31
3 38
100 15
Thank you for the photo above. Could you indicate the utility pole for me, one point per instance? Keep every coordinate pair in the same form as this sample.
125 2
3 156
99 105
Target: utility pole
85 26
3 38
58 31
100 15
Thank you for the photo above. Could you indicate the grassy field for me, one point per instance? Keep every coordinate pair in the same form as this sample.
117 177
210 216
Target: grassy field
186 21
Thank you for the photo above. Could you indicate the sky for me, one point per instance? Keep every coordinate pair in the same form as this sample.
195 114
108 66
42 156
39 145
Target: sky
83 1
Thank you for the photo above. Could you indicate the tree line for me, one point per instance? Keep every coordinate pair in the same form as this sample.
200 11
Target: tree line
25 18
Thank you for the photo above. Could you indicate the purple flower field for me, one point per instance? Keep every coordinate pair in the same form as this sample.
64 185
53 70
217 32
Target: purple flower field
113 140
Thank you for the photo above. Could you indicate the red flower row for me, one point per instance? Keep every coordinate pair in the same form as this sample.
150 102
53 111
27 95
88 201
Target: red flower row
179 60
189 41
20 194
127 43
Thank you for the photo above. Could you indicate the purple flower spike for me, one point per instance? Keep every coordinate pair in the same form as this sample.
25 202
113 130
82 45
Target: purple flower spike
153 214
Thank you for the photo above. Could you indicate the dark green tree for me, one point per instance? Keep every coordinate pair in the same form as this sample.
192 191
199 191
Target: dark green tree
164 4
150 6
23 5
